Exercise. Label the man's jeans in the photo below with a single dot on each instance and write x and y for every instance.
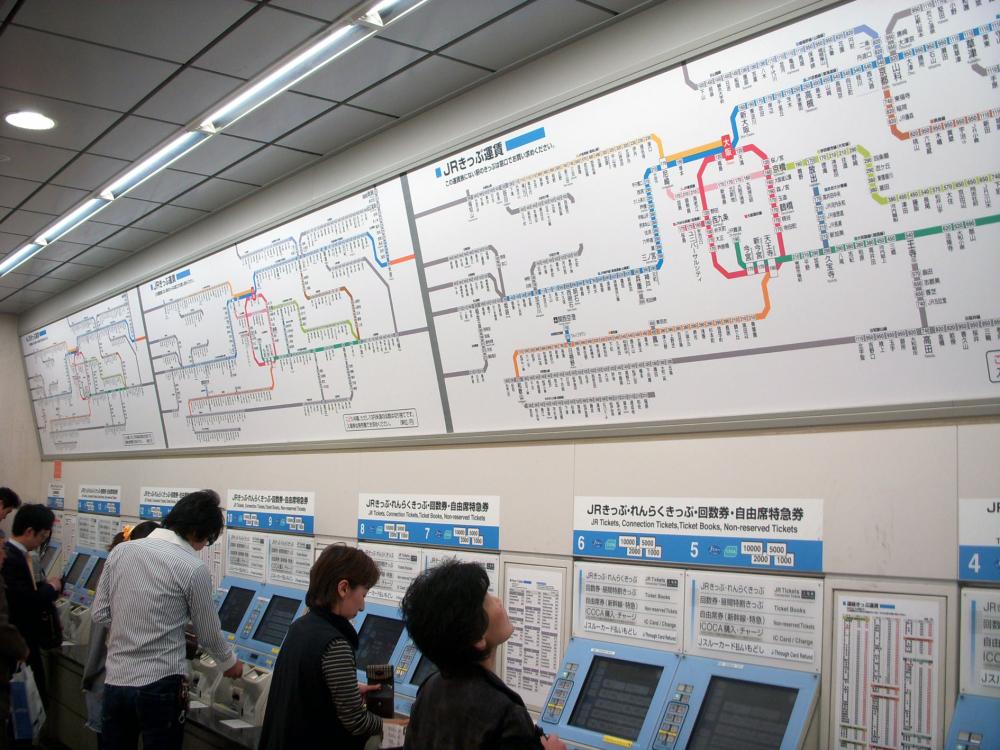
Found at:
(155, 711)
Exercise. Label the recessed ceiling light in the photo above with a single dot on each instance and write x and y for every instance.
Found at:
(30, 120)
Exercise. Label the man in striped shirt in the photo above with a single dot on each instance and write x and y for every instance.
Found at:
(150, 589)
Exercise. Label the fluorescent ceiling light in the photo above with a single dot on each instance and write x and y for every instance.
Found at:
(71, 220)
(30, 120)
(159, 159)
(21, 256)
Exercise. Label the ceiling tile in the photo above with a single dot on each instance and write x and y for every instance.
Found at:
(132, 239)
(11, 306)
(125, 210)
(133, 137)
(51, 284)
(275, 118)
(164, 186)
(526, 32)
(76, 71)
(13, 190)
(90, 172)
(188, 95)
(267, 166)
(53, 199)
(26, 222)
(90, 233)
(170, 218)
(434, 24)
(13, 280)
(419, 86)
(620, 6)
(102, 256)
(10, 242)
(30, 160)
(335, 129)
(367, 63)
(24, 299)
(76, 124)
(175, 30)
(258, 42)
(62, 251)
(215, 154)
(38, 266)
(213, 194)
(327, 10)
(74, 271)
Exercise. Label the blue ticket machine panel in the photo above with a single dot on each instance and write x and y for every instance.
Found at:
(78, 563)
(609, 696)
(86, 588)
(724, 705)
(381, 637)
(975, 725)
(50, 557)
(412, 670)
(264, 627)
(233, 599)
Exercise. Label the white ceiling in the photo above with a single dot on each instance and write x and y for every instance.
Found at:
(120, 76)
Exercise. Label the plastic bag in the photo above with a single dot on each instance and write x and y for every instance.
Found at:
(27, 714)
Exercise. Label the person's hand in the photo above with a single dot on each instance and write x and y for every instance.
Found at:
(55, 583)
(363, 688)
(235, 671)
(552, 742)
(399, 721)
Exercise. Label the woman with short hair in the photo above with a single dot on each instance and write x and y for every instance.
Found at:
(315, 696)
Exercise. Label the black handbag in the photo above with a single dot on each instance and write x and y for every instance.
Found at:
(50, 634)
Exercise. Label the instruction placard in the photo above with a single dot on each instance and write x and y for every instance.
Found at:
(979, 539)
(289, 559)
(55, 496)
(272, 511)
(103, 499)
(156, 502)
(768, 620)
(397, 565)
(246, 555)
(533, 597)
(490, 563)
(771, 534)
(470, 521)
(980, 642)
(629, 603)
(886, 663)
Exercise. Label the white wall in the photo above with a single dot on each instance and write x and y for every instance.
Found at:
(20, 462)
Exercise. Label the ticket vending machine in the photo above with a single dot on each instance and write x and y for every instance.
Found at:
(82, 599)
(258, 643)
(609, 696)
(233, 599)
(381, 637)
(412, 670)
(975, 725)
(50, 558)
(79, 561)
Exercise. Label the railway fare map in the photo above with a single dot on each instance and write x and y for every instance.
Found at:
(90, 381)
(313, 330)
(804, 221)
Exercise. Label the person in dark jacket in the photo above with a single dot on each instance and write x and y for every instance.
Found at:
(315, 698)
(13, 650)
(457, 624)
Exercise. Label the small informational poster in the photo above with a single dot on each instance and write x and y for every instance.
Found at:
(463, 521)
(979, 539)
(397, 565)
(55, 496)
(156, 502)
(87, 535)
(289, 559)
(65, 531)
(490, 563)
(246, 555)
(886, 665)
(107, 528)
(770, 534)
(102, 499)
(768, 620)
(214, 556)
(629, 604)
(980, 642)
(533, 597)
(286, 512)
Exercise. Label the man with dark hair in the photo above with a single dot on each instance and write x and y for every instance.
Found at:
(150, 589)
(9, 501)
(26, 598)
(13, 650)
(458, 624)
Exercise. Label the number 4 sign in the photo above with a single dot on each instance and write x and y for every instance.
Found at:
(979, 539)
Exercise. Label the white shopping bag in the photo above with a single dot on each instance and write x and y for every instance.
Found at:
(27, 714)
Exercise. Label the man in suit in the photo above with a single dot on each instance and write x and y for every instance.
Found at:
(13, 650)
(26, 599)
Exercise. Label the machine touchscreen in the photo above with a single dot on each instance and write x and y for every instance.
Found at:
(48, 556)
(78, 565)
(276, 620)
(234, 606)
(615, 697)
(95, 575)
(739, 715)
(377, 640)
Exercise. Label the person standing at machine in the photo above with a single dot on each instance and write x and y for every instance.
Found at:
(9, 501)
(150, 589)
(13, 650)
(27, 599)
(457, 624)
(93, 670)
(315, 696)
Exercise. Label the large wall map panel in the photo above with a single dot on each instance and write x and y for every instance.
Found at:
(804, 221)
(312, 331)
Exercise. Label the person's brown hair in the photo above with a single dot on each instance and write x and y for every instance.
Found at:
(337, 563)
